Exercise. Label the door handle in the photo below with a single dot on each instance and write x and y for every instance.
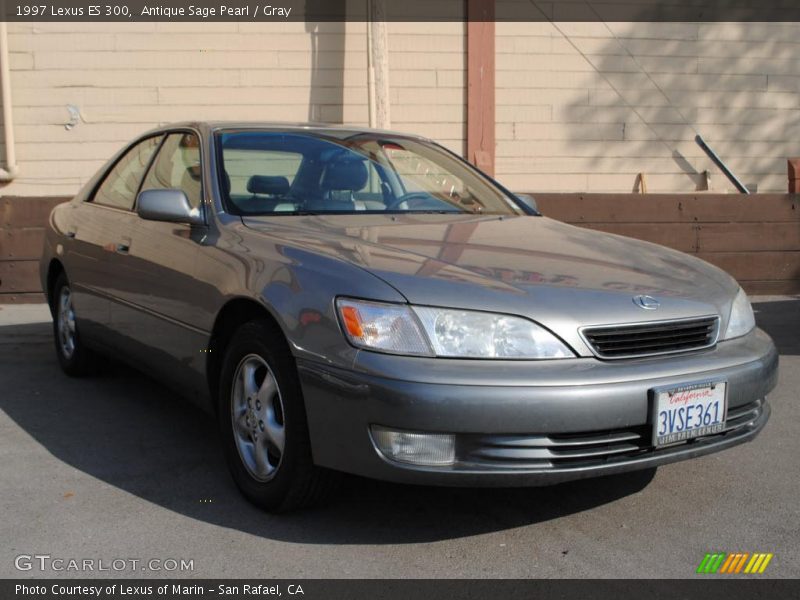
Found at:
(123, 246)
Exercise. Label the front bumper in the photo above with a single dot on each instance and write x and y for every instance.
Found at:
(526, 423)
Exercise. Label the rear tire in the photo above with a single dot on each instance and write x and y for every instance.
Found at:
(75, 359)
(263, 423)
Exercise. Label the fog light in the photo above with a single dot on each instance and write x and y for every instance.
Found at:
(430, 449)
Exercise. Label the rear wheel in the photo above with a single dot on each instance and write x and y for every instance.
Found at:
(263, 422)
(75, 359)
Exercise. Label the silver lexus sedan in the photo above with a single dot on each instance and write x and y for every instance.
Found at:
(351, 300)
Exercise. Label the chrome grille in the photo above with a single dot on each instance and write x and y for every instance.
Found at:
(577, 450)
(653, 338)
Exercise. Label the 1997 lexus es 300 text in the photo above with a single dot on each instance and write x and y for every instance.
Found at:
(364, 301)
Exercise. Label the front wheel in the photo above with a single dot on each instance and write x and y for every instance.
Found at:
(263, 422)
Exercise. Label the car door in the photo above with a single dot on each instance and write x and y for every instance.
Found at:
(168, 332)
(100, 236)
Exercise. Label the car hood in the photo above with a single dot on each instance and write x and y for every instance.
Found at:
(561, 276)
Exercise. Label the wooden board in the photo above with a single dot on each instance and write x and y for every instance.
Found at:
(670, 208)
(19, 277)
(748, 237)
(28, 298)
(481, 84)
(771, 288)
(757, 266)
(754, 237)
(17, 213)
(21, 244)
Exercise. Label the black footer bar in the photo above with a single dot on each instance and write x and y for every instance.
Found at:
(703, 587)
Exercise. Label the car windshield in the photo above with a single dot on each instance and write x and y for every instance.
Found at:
(281, 173)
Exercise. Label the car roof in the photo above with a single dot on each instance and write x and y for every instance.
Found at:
(326, 129)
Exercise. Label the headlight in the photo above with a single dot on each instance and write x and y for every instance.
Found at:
(452, 333)
(742, 319)
(471, 334)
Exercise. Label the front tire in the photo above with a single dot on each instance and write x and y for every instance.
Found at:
(263, 423)
(75, 359)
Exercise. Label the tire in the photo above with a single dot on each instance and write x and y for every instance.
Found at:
(260, 406)
(75, 359)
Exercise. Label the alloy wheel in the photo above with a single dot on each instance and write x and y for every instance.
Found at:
(258, 417)
(66, 323)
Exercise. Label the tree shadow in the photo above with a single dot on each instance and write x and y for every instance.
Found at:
(654, 86)
(129, 431)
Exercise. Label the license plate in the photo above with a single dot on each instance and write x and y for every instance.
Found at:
(689, 411)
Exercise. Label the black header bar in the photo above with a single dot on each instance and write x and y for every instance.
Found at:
(402, 10)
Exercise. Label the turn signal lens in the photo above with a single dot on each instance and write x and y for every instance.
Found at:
(352, 321)
(389, 328)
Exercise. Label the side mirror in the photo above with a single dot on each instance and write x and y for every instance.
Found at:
(171, 206)
(528, 202)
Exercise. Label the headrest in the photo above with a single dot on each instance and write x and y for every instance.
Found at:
(193, 172)
(345, 175)
(266, 184)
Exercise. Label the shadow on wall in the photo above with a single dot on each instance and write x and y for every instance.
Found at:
(326, 91)
(725, 81)
(165, 451)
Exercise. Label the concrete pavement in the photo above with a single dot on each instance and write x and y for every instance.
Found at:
(118, 467)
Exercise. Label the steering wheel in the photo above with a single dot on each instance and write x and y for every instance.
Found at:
(424, 196)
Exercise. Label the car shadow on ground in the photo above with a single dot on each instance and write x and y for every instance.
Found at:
(129, 431)
(781, 320)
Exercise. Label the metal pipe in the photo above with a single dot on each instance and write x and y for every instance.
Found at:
(11, 170)
(722, 166)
